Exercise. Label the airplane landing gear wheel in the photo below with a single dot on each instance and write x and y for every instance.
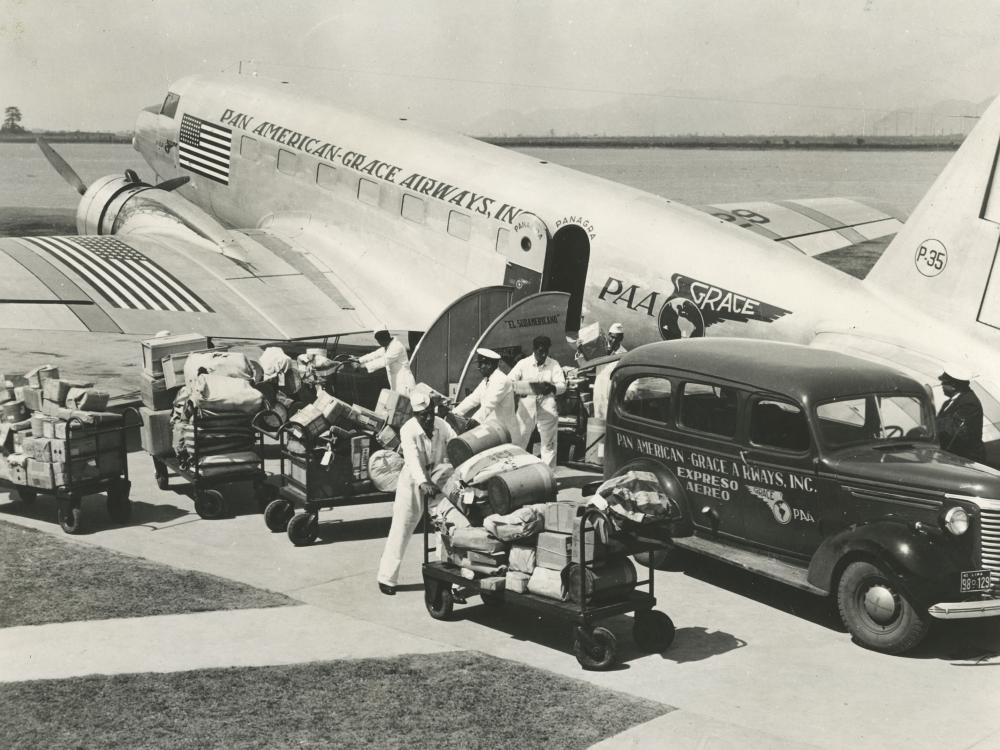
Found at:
(595, 650)
(70, 514)
(303, 529)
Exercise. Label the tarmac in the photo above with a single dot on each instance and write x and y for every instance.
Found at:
(742, 672)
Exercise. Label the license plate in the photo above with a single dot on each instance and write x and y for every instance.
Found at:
(975, 580)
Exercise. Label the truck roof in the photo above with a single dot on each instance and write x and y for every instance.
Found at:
(805, 373)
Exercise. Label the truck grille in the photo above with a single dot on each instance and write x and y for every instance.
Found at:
(990, 542)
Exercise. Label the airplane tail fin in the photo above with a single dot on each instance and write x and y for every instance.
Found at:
(945, 258)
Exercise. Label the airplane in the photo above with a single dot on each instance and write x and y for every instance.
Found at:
(280, 216)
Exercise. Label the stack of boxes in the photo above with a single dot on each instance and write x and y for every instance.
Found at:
(37, 448)
(161, 378)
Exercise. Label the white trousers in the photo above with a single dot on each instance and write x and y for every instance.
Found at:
(406, 510)
(542, 413)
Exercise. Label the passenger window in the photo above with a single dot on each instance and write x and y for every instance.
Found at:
(169, 108)
(249, 147)
(368, 191)
(326, 176)
(779, 424)
(709, 408)
(648, 398)
(414, 208)
(288, 162)
(459, 225)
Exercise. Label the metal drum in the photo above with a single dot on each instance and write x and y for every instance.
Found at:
(529, 484)
(476, 440)
(610, 582)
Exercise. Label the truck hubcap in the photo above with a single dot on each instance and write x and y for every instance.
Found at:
(880, 604)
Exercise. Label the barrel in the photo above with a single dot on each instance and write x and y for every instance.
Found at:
(15, 411)
(534, 483)
(595, 441)
(476, 440)
(611, 582)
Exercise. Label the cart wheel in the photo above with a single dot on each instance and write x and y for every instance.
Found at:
(653, 631)
(161, 474)
(438, 599)
(27, 495)
(69, 514)
(598, 650)
(303, 529)
(210, 504)
(119, 505)
(277, 514)
(265, 494)
(492, 598)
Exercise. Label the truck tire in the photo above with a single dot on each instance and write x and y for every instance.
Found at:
(877, 614)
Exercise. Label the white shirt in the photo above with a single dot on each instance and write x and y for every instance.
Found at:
(495, 398)
(548, 372)
(421, 454)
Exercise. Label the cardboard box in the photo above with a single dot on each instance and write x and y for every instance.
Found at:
(560, 516)
(39, 375)
(335, 411)
(156, 432)
(56, 389)
(393, 407)
(32, 397)
(366, 419)
(76, 470)
(388, 438)
(41, 449)
(553, 550)
(154, 392)
(39, 474)
(173, 365)
(516, 581)
(37, 427)
(78, 446)
(49, 427)
(493, 583)
(154, 350)
(87, 399)
(591, 343)
(360, 451)
(51, 408)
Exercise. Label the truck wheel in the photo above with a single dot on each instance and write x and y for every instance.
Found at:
(303, 529)
(119, 506)
(653, 631)
(596, 651)
(69, 514)
(210, 504)
(277, 514)
(438, 599)
(876, 613)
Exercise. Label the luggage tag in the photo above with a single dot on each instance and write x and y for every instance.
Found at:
(327, 457)
(281, 379)
(468, 496)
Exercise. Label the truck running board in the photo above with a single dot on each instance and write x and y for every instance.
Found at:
(756, 562)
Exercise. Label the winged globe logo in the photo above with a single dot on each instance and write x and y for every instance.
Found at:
(695, 305)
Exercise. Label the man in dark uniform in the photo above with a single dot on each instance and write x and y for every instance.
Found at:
(960, 421)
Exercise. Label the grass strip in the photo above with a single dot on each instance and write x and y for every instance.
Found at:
(48, 579)
(457, 700)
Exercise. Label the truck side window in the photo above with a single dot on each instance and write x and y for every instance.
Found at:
(709, 408)
(648, 398)
(779, 424)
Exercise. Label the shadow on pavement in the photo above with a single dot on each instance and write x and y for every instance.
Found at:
(698, 644)
(337, 530)
(95, 514)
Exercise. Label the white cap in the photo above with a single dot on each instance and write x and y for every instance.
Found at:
(955, 371)
(616, 328)
(487, 354)
(420, 399)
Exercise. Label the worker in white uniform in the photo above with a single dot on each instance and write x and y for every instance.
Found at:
(602, 373)
(423, 439)
(539, 409)
(493, 398)
(397, 363)
(616, 334)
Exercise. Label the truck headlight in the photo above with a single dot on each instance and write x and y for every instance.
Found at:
(956, 520)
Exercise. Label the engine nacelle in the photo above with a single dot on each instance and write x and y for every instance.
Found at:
(102, 203)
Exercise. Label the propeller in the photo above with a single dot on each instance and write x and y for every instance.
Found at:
(69, 174)
(62, 166)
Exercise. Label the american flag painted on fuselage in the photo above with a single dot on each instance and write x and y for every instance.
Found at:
(120, 274)
(204, 148)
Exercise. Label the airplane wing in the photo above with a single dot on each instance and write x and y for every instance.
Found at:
(813, 225)
(141, 283)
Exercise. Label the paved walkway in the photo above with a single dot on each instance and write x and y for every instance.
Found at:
(201, 640)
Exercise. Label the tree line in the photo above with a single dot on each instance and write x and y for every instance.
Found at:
(11, 121)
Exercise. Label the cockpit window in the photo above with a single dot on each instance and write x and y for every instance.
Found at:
(874, 417)
(169, 107)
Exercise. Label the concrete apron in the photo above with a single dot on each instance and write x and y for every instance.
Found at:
(742, 664)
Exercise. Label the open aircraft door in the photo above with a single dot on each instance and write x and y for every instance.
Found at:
(567, 259)
(510, 335)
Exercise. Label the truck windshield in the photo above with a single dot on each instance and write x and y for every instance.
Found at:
(874, 417)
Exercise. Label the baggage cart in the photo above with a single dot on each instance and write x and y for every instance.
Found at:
(207, 486)
(111, 476)
(594, 646)
(313, 474)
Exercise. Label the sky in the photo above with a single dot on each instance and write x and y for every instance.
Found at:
(503, 67)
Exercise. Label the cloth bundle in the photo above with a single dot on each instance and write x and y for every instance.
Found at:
(523, 522)
(637, 496)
